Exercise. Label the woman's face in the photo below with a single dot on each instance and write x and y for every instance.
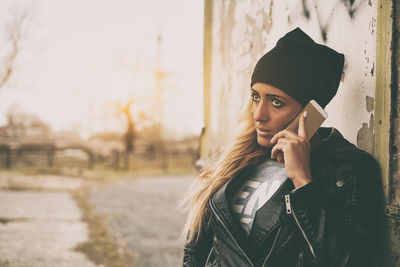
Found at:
(272, 110)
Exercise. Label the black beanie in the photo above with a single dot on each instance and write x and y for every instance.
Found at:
(301, 68)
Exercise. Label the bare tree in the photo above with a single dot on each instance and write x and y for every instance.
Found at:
(15, 31)
(129, 135)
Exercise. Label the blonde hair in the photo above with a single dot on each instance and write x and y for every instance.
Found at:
(241, 152)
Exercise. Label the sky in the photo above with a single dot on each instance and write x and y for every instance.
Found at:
(79, 58)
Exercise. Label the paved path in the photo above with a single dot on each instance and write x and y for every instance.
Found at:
(142, 217)
(40, 228)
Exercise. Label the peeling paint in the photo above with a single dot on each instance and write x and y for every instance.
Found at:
(350, 6)
(365, 135)
(369, 103)
(372, 70)
(306, 12)
(372, 25)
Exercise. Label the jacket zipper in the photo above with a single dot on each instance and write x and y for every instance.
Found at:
(288, 207)
(230, 234)
(289, 210)
(273, 245)
(300, 259)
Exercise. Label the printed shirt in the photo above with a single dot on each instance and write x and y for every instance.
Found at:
(255, 191)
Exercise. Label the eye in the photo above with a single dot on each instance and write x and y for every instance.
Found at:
(255, 97)
(277, 103)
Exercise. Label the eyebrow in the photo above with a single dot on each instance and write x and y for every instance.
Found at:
(270, 94)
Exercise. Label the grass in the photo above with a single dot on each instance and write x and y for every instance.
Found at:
(100, 248)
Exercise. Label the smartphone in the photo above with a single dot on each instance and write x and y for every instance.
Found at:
(316, 115)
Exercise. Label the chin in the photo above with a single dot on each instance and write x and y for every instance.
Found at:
(264, 142)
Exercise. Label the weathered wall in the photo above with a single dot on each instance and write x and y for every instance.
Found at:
(238, 33)
(242, 31)
(393, 181)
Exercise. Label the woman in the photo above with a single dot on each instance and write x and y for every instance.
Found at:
(276, 198)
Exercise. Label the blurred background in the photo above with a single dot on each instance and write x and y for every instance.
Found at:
(100, 84)
(101, 110)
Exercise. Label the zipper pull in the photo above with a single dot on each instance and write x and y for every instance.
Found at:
(287, 202)
(300, 259)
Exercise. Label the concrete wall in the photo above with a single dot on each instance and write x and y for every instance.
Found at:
(237, 33)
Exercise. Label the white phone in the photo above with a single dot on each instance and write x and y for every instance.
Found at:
(316, 115)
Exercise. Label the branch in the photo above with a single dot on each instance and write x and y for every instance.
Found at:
(15, 30)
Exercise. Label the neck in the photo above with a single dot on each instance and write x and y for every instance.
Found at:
(268, 155)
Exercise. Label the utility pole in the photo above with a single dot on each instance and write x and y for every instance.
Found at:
(129, 134)
(158, 107)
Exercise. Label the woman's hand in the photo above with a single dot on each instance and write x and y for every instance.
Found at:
(296, 153)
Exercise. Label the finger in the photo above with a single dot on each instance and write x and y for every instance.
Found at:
(283, 133)
(284, 140)
(302, 125)
(275, 150)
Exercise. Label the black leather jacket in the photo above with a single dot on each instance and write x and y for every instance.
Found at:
(334, 220)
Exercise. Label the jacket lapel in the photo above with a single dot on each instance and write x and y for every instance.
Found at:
(221, 203)
(270, 215)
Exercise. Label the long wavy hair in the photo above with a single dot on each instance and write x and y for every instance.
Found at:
(242, 151)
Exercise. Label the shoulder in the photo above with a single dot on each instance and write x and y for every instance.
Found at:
(362, 161)
(365, 169)
(336, 152)
(351, 170)
(357, 174)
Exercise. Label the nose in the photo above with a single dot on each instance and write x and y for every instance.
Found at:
(261, 112)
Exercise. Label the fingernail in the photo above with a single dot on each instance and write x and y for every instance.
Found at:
(305, 114)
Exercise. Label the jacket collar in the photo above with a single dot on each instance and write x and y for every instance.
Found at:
(332, 144)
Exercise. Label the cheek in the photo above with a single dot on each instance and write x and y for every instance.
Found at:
(280, 122)
(283, 122)
(280, 118)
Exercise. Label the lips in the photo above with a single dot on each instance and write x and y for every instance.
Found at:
(264, 132)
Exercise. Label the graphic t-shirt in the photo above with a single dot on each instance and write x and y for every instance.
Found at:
(255, 191)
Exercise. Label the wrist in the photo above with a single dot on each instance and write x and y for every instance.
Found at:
(301, 181)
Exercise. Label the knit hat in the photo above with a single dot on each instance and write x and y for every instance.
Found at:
(301, 68)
